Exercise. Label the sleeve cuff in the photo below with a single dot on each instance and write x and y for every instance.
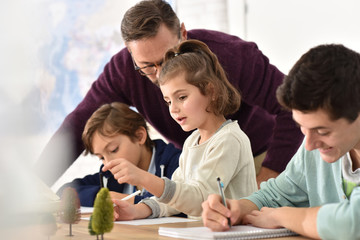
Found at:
(169, 191)
(153, 205)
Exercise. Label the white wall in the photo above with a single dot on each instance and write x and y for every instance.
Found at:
(285, 29)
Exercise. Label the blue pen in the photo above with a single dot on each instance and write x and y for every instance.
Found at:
(221, 190)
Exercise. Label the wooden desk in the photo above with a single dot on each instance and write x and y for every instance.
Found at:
(121, 231)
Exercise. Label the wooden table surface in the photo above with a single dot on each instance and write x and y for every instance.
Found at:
(122, 231)
(119, 231)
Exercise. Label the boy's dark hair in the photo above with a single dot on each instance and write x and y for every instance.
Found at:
(112, 119)
(202, 69)
(144, 19)
(326, 77)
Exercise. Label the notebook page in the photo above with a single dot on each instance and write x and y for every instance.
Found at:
(236, 232)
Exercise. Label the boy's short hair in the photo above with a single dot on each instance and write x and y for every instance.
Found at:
(326, 77)
(112, 119)
(144, 19)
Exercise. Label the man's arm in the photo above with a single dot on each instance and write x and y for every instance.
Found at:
(66, 145)
(60, 152)
(260, 90)
(265, 174)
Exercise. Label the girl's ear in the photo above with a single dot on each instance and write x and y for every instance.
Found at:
(141, 135)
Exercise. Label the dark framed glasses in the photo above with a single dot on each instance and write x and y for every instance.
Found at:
(150, 69)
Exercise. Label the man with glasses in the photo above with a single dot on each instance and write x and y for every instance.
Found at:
(149, 29)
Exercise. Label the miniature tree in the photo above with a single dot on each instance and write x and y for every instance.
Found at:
(49, 224)
(91, 230)
(70, 204)
(103, 215)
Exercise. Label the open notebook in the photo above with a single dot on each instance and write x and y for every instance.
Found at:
(236, 232)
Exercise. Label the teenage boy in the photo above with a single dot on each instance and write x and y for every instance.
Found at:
(318, 194)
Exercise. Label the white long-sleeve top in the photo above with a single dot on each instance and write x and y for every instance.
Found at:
(227, 154)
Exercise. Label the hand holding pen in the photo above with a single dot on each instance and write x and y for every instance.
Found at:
(221, 190)
(129, 196)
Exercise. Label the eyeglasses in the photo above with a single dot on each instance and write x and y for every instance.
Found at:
(150, 69)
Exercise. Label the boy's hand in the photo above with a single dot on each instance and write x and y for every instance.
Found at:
(124, 211)
(118, 196)
(124, 171)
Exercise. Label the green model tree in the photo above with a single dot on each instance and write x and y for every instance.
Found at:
(70, 204)
(91, 231)
(103, 215)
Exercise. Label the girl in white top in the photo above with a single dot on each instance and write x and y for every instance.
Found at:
(199, 96)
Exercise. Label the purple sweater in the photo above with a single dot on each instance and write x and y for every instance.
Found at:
(267, 125)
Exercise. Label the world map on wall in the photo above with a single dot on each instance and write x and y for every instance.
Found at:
(83, 35)
(52, 52)
(66, 44)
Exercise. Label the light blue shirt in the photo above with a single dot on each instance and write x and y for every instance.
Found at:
(308, 181)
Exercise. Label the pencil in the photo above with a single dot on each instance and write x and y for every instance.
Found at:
(132, 195)
(129, 196)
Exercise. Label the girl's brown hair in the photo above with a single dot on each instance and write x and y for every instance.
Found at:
(203, 70)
